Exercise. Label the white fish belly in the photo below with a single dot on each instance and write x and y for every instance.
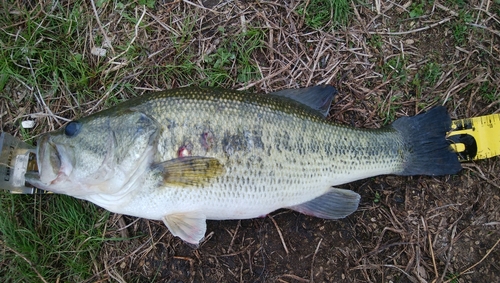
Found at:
(244, 193)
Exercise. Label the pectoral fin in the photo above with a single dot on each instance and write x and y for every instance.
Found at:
(190, 226)
(190, 171)
(335, 204)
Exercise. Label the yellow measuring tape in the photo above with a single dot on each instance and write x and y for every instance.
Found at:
(476, 138)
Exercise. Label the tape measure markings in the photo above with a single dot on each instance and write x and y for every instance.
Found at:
(476, 138)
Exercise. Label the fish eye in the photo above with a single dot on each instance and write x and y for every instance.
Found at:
(72, 128)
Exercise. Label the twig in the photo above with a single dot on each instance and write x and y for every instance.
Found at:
(448, 257)
(413, 30)
(136, 32)
(108, 41)
(25, 259)
(378, 6)
(314, 257)
(236, 252)
(279, 233)
(166, 27)
(486, 28)
(123, 227)
(430, 247)
(39, 98)
(113, 274)
(475, 264)
(295, 277)
(201, 7)
(234, 236)
(373, 266)
(491, 223)
(480, 174)
(275, 74)
(446, 9)
(191, 265)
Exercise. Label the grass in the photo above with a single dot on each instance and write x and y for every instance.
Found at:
(461, 27)
(375, 41)
(233, 59)
(453, 278)
(47, 51)
(56, 237)
(489, 92)
(395, 69)
(325, 14)
(426, 77)
(232, 62)
(417, 8)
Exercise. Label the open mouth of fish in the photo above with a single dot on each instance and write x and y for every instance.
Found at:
(53, 161)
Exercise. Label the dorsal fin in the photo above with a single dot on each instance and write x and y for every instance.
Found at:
(318, 97)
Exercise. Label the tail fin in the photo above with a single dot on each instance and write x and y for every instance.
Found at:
(427, 150)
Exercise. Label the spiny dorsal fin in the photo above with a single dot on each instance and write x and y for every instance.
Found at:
(318, 97)
(190, 171)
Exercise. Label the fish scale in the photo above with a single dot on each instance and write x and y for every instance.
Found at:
(187, 155)
(309, 165)
(332, 138)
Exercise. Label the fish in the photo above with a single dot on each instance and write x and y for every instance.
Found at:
(188, 155)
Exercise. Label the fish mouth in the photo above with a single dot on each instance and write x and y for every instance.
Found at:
(53, 161)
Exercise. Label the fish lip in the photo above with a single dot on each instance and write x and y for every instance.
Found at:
(54, 165)
(66, 165)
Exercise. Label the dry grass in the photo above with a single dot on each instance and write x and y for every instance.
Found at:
(385, 65)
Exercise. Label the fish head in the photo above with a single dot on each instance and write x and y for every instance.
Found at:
(97, 154)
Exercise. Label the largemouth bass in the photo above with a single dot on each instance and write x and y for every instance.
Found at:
(187, 155)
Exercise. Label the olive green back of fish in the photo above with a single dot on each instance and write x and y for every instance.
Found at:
(266, 131)
(221, 123)
(266, 135)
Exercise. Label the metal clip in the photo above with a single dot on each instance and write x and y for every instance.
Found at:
(16, 158)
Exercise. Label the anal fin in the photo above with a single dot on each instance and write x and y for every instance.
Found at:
(189, 226)
(335, 204)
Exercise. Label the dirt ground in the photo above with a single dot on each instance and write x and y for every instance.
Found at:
(407, 229)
